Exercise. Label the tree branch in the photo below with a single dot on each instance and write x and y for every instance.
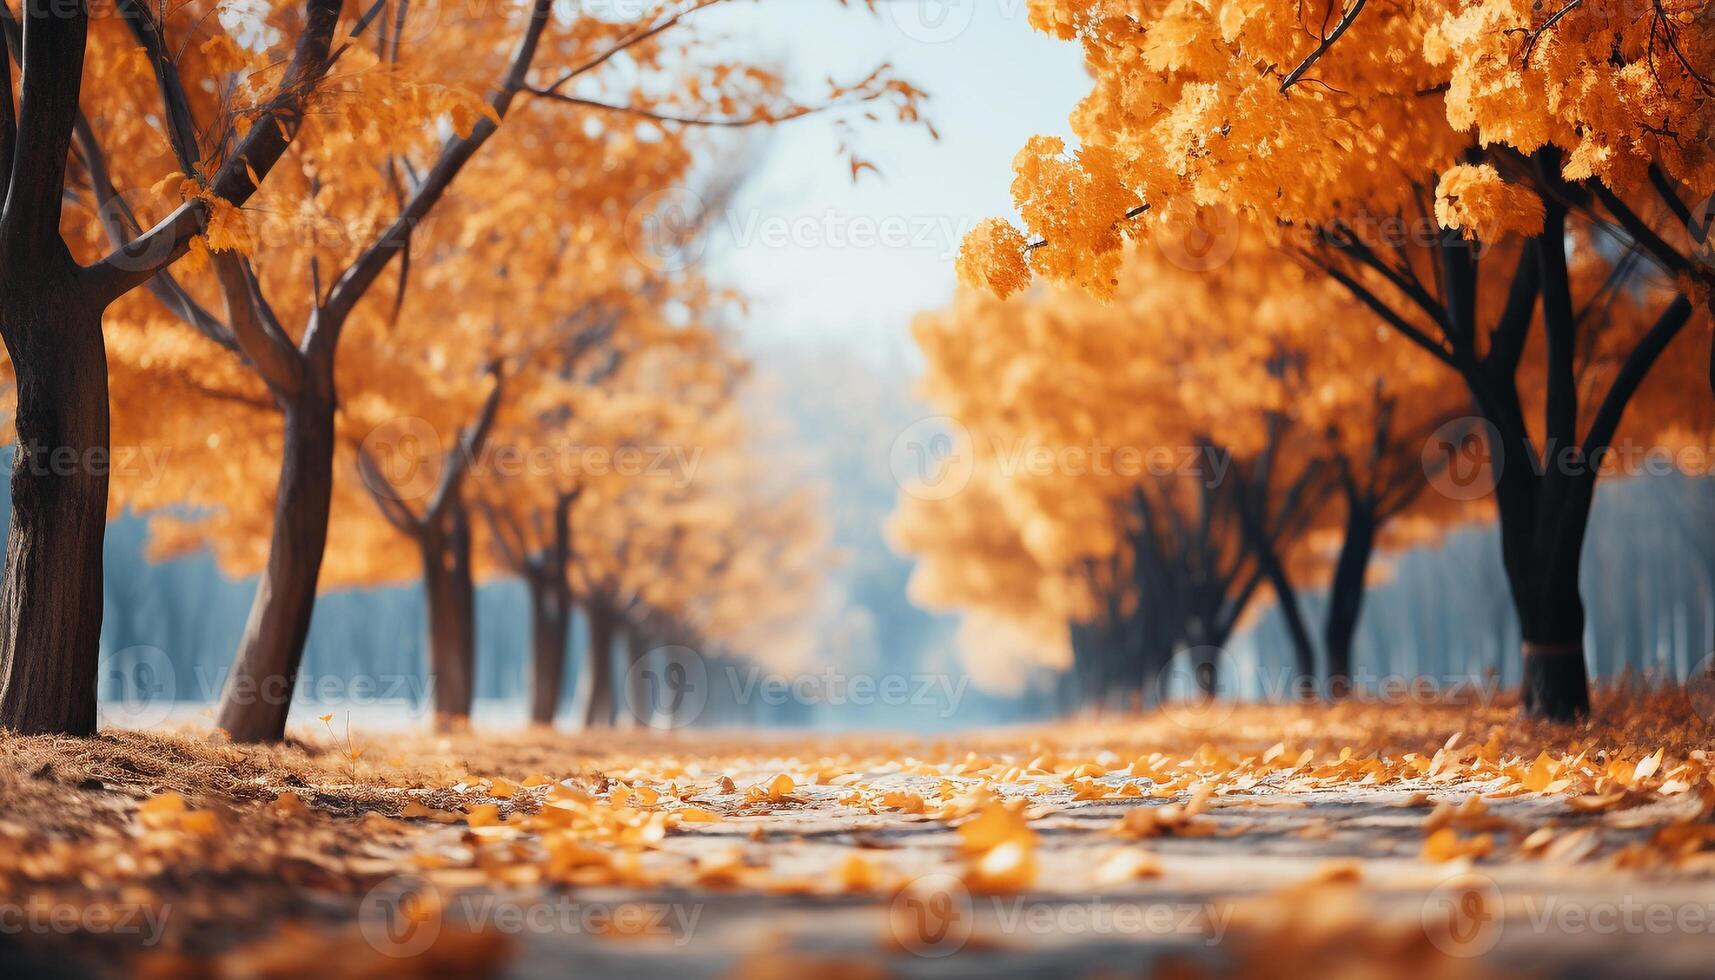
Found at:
(1327, 42)
(258, 331)
(261, 148)
(1632, 372)
(362, 273)
(48, 89)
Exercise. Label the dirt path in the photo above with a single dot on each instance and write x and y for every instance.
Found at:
(1347, 842)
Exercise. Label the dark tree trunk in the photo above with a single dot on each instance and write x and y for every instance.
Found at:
(595, 681)
(450, 599)
(50, 599)
(258, 692)
(1346, 595)
(639, 694)
(550, 621)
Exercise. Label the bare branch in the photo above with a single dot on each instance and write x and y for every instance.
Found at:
(1321, 49)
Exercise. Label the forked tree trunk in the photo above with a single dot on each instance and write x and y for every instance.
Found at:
(50, 599)
(1346, 596)
(258, 692)
(450, 599)
(595, 681)
(550, 621)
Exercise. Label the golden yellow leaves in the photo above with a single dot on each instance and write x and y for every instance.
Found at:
(1446, 845)
(1079, 205)
(168, 811)
(1000, 847)
(992, 257)
(1477, 202)
(1170, 819)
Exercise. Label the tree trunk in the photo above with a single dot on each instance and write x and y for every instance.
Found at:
(258, 692)
(595, 681)
(1542, 521)
(450, 599)
(50, 599)
(639, 693)
(550, 619)
(1346, 595)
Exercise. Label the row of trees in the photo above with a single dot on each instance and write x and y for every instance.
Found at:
(1520, 193)
(406, 241)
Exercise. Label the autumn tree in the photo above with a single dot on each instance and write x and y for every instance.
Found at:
(1394, 145)
(377, 188)
(57, 289)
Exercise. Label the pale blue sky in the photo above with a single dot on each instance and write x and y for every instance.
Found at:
(825, 260)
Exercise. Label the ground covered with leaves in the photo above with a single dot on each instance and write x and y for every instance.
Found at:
(1357, 840)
